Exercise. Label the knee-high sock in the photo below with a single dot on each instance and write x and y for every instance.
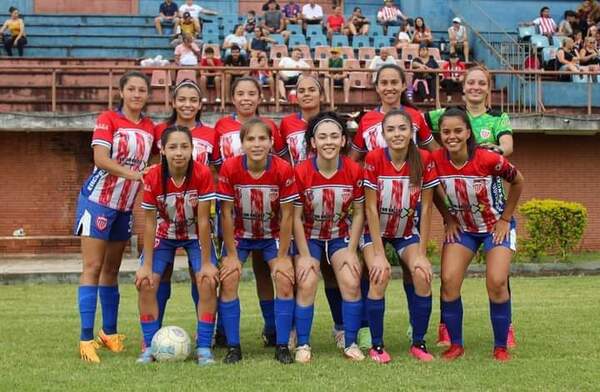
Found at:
(303, 318)
(267, 307)
(452, 315)
(364, 291)
(422, 312)
(149, 328)
(87, 298)
(500, 317)
(162, 296)
(230, 312)
(109, 301)
(352, 314)
(204, 330)
(376, 312)
(284, 319)
(409, 290)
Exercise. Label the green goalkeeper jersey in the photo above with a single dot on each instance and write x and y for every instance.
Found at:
(487, 127)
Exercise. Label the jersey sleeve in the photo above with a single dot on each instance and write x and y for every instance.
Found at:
(299, 202)
(103, 131)
(358, 191)
(430, 175)
(370, 172)
(279, 145)
(224, 187)
(502, 127)
(205, 184)
(498, 165)
(432, 118)
(358, 142)
(424, 136)
(288, 190)
(151, 183)
(215, 157)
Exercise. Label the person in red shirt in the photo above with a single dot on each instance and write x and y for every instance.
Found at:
(210, 78)
(177, 199)
(453, 76)
(336, 24)
(257, 190)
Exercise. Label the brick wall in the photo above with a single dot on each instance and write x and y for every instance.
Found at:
(42, 173)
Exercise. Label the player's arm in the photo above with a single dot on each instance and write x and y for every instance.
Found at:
(103, 161)
(358, 223)
(372, 213)
(425, 227)
(285, 229)
(299, 235)
(506, 144)
(228, 228)
(204, 231)
(431, 146)
(144, 273)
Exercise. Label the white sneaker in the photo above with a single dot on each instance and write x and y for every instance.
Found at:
(303, 354)
(354, 353)
(293, 340)
(218, 100)
(204, 100)
(272, 100)
(338, 335)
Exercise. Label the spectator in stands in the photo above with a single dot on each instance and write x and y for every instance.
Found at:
(273, 21)
(210, 78)
(261, 41)
(167, 14)
(290, 77)
(545, 23)
(336, 24)
(586, 13)
(292, 12)
(589, 56)
(339, 78)
(186, 25)
(565, 27)
(424, 83)
(452, 78)
(458, 37)
(578, 40)
(187, 52)
(13, 32)
(264, 75)
(592, 31)
(312, 13)
(358, 24)
(404, 36)
(236, 38)
(567, 58)
(250, 23)
(195, 10)
(422, 34)
(378, 61)
(265, 6)
(235, 59)
(389, 15)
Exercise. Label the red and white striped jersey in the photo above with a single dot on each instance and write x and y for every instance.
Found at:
(397, 200)
(327, 202)
(546, 25)
(229, 144)
(177, 208)
(475, 192)
(369, 135)
(388, 14)
(130, 145)
(203, 139)
(256, 201)
(293, 130)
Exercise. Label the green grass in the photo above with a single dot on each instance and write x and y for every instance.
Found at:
(556, 320)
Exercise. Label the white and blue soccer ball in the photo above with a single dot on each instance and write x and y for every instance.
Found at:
(171, 344)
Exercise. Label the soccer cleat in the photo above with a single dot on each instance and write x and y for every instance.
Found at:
(283, 354)
(501, 354)
(234, 355)
(293, 340)
(87, 351)
(453, 352)
(338, 335)
(303, 354)
(112, 342)
(146, 356)
(511, 341)
(219, 340)
(364, 338)
(204, 356)
(419, 351)
(379, 355)
(353, 353)
(443, 339)
(269, 338)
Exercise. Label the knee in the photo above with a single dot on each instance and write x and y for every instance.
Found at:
(92, 268)
(450, 287)
(229, 285)
(497, 286)
(308, 285)
(350, 288)
(284, 286)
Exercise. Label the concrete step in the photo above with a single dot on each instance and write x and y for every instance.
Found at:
(99, 40)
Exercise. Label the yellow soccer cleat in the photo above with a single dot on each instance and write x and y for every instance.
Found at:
(112, 342)
(87, 351)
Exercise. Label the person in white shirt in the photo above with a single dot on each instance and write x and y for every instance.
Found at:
(312, 13)
(389, 15)
(290, 77)
(457, 34)
(378, 61)
(187, 53)
(404, 36)
(237, 38)
(195, 10)
(545, 23)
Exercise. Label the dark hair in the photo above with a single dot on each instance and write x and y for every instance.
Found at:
(422, 20)
(462, 114)
(246, 79)
(404, 101)
(209, 49)
(251, 123)
(544, 9)
(356, 9)
(164, 165)
(413, 156)
(127, 77)
(252, 12)
(235, 47)
(570, 13)
(12, 9)
(186, 83)
(236, 27)
(314, 122)
(314, 79)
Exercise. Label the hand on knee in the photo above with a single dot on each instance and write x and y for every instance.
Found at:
(422, 283)
(229, 287)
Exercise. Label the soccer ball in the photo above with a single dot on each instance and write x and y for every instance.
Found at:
(171, 344)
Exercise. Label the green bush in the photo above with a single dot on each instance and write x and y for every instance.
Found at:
(553, 227)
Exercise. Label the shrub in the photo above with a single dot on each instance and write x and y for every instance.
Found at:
(553, 226)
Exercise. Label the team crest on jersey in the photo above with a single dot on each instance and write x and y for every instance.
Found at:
(273, 195)
(478, 186)
(309, 195)
(485, 133)
(289, 181)
(101, 223)
(156, 242)
(346, 195)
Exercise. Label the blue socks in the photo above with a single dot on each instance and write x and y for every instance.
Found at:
(352, 313)
(149, 329)
(204, 333)
(87, 298)
(375, 309)
(284, 319)
(420, 319)
(500, 316)
(109, 300)
(409, 289)
(267, 308)
(162, 296)
(334, 298)
(452, 316)
(303, 318)
(364, 291)
(230, 313)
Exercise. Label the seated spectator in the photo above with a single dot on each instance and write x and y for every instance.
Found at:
(235, 59)
(567, 58)
(167, 14)
(424, 83)
(236, 38)
(378, 61)
(265, 6)
(404, 35)
(452, 78)
(459, 40)
(565, 27)
(273, 21)
(578, 40)
(422, 34)
(586, 13)
(195, 10)
(261, 41)
(545, 23)
(186, 25)
(339, 78)
(210, 78)
(264, 75)
(312, 13)
(589, 56)
(357, 23)
(389, 15)
(13, 32)
(336, 23)
(290, 77)
(592, 31)
(250, 23)
(187, 52)
(292, 13)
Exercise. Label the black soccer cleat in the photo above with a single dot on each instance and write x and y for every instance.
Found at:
(220, 340)
(283, 354)
(234, 355)
(269, 339)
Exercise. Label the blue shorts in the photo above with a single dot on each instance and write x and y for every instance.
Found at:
(473, 241)
(244, 246)
(399, 244)
(318, 248)
(164, 254)
(97, 221)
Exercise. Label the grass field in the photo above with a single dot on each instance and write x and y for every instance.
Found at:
(557, 322)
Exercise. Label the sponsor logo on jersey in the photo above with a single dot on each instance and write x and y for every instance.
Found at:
(479, 186)
(485, 133)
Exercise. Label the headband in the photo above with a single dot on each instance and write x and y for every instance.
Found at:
(187, 83)
(331, 120)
